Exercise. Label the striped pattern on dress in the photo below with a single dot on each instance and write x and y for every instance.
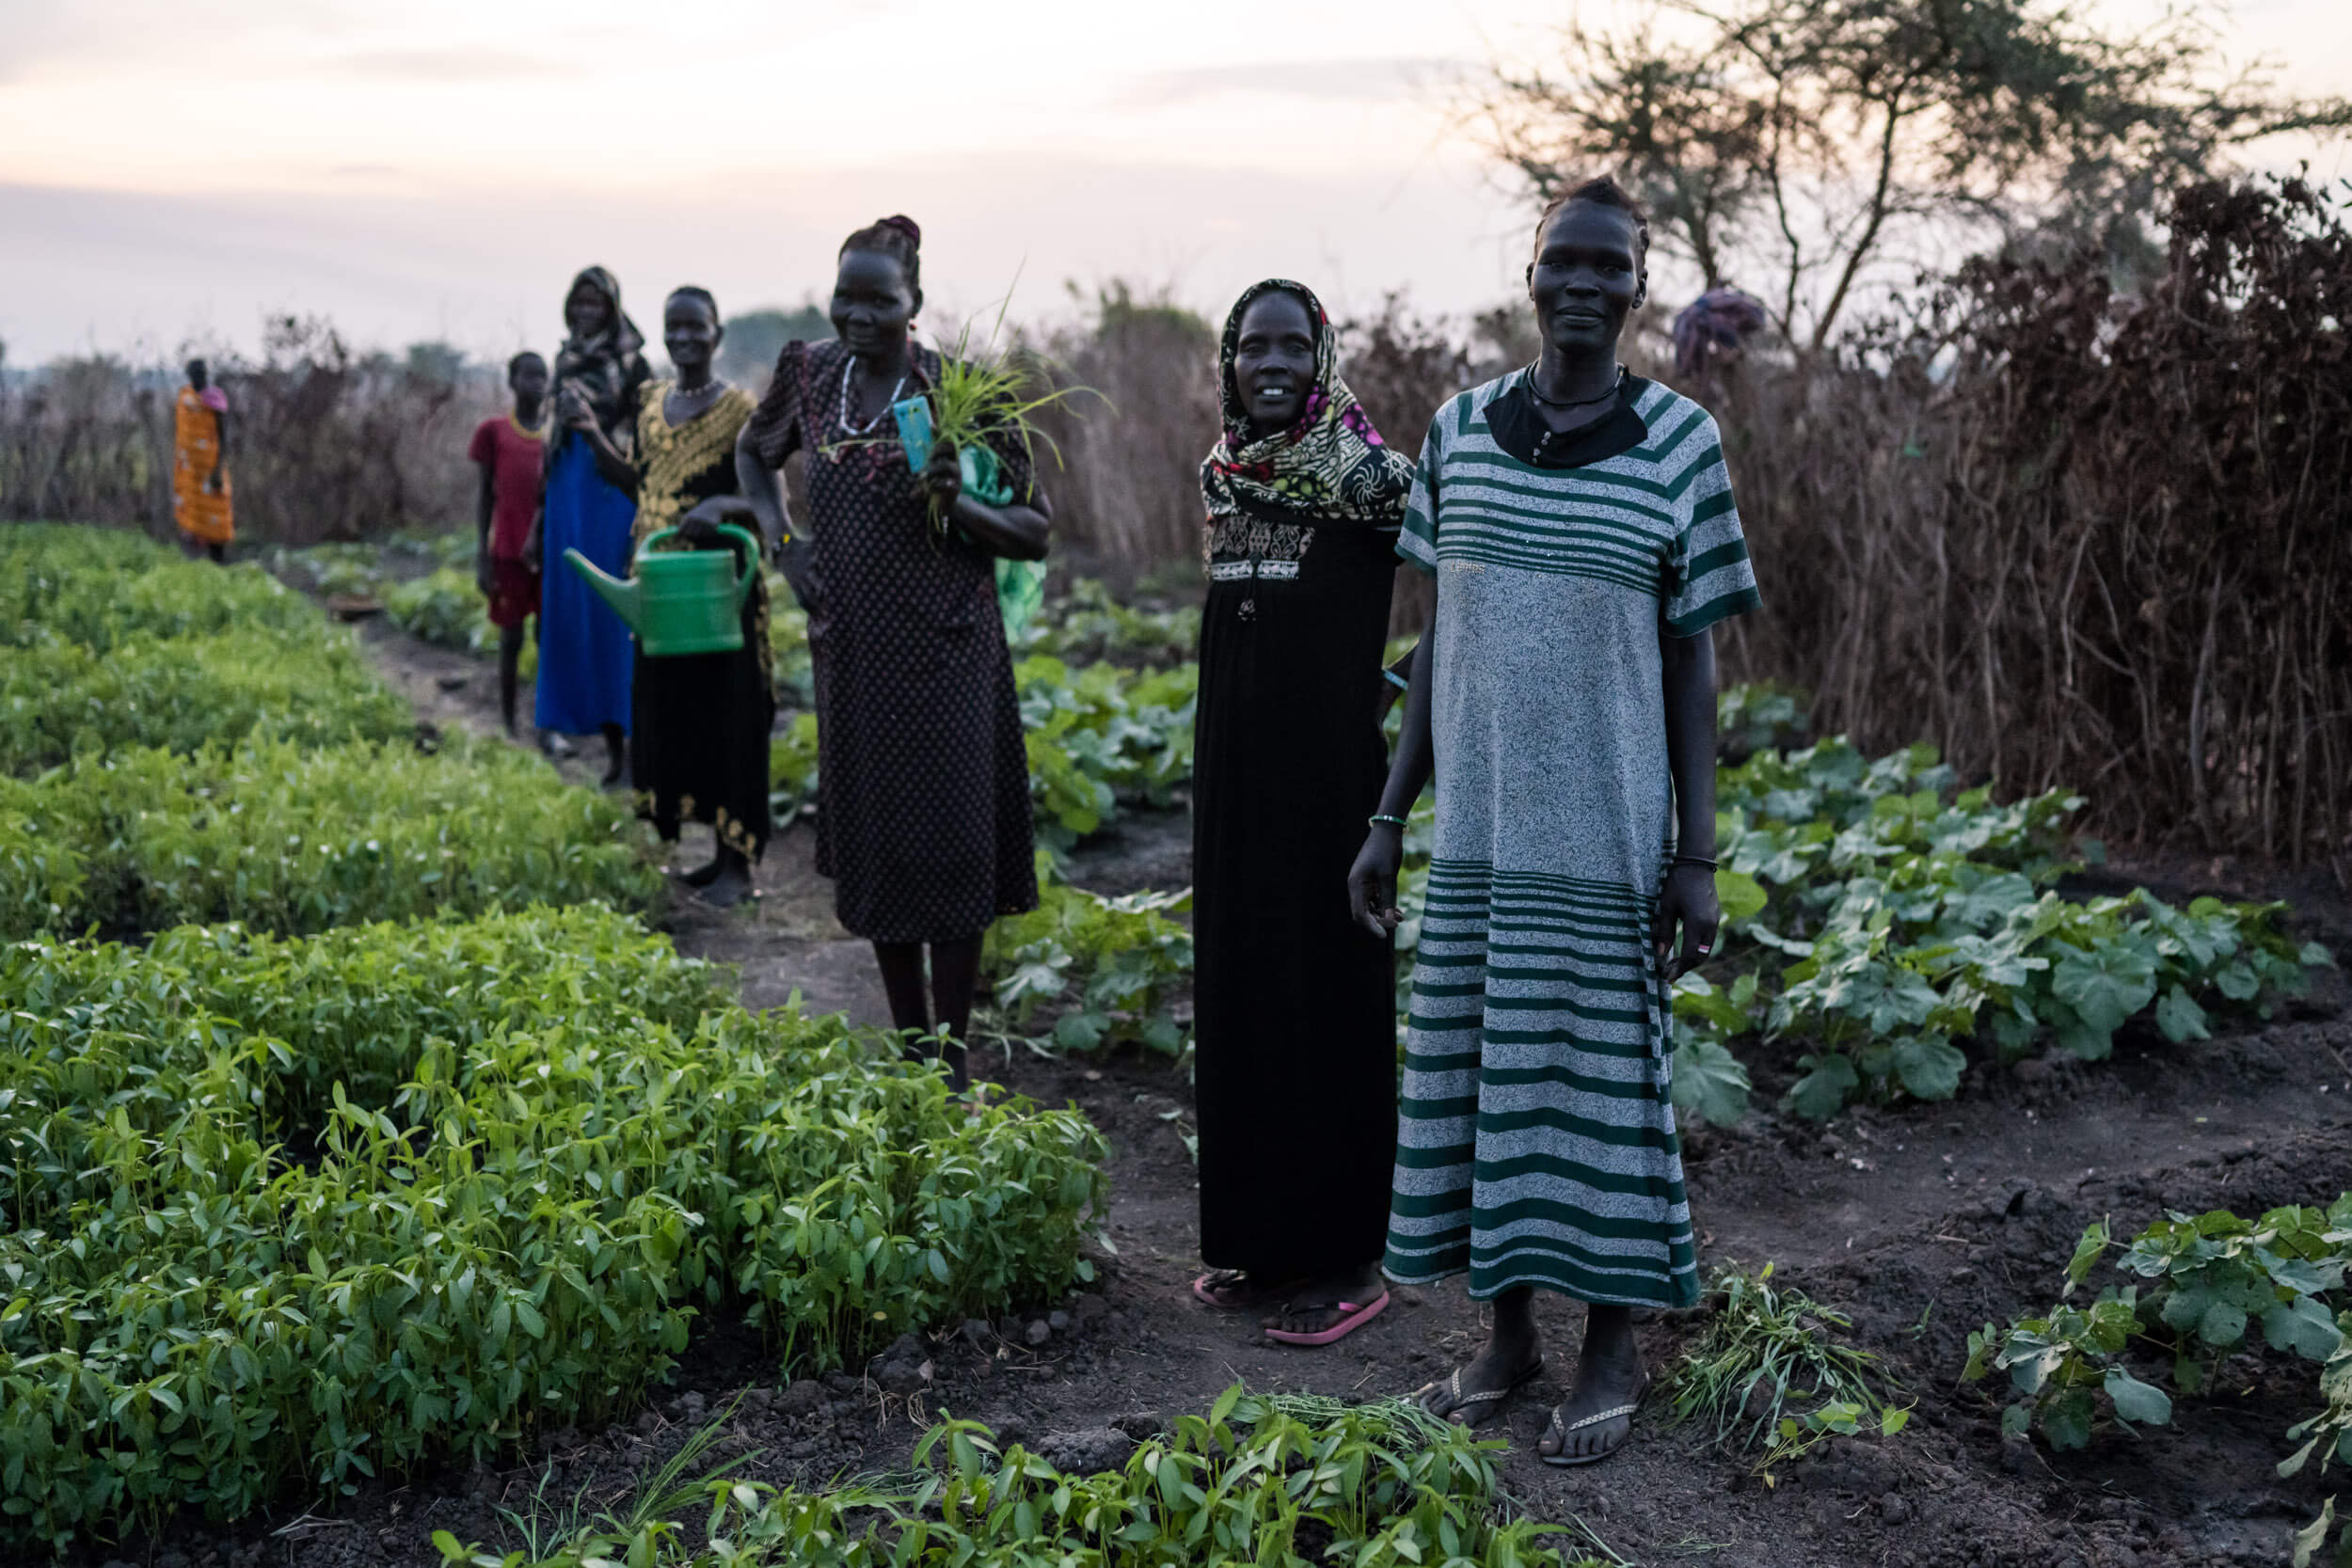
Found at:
(1536, 1141)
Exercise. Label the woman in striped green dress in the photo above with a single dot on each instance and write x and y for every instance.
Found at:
(1579, 525)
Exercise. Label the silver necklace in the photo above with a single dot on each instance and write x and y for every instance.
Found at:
(848, 427)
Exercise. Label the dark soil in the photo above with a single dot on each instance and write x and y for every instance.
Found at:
(1922, 1222)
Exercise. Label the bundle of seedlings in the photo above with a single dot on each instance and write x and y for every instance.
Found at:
(1770, 1372)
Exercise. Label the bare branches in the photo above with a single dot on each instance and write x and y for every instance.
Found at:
(1807, 145)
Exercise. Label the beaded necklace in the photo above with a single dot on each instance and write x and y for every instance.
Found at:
(849, 428)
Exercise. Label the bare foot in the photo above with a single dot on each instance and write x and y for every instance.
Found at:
(1594, 1421)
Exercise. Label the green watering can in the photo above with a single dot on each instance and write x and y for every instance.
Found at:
(680, 601)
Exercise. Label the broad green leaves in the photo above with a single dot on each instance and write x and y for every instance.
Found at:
(1742, 897)
(1118, 961)
(2211, 1276)
(1907, 919)
(2105, 985)
(1710, 1084)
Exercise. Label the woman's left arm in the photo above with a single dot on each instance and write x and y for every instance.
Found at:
(1688, 899)
(1015, 531)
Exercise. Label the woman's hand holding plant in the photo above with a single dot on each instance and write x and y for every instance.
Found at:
(942, 478)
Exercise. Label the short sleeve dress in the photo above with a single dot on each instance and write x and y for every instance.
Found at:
(1536, 1142)
(923, 816)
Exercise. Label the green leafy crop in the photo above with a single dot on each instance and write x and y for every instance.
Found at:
(59, 700)
(282, 1213)
(1114, 963)
(1881, 919)
(294, 839)
(2210, 1279)
(1271, 1482)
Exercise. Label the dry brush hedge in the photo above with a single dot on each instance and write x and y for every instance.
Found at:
(281, 1214)
(2078, 537)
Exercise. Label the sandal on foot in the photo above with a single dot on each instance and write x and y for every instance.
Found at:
(1232, 1289)
(1352, 1317)
(1456, 1401)
(1564, 1459)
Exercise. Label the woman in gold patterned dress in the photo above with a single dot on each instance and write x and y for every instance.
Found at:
(700, 722)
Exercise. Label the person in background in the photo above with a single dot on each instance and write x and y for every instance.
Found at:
(923, 814)
(1579, 523)
(585, 651)
(699, 741)
(200, 465)
(1295, 1005)
(510, 449)
(1713, 329)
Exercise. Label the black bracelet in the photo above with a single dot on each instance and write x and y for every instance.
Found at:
(1694, 859)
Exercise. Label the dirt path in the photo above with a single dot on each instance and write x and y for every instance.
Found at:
(1921, 1221)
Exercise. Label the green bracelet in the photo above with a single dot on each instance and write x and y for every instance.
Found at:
(1396, 680)
(1396, 822)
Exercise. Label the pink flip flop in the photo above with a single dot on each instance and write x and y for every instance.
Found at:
(1355, 1317)
(1235, 1301)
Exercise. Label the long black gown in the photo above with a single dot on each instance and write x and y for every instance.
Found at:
(1295, 1004)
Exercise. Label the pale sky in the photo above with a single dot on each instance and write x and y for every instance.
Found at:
(171, 172)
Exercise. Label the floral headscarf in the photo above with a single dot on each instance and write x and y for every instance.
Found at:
(1330, 467)
(607, 367)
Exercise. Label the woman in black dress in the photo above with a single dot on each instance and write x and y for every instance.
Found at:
(1295, 1004)
(923, 806)
(699, 721)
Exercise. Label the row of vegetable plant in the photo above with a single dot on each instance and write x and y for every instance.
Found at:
(1112, 966)
(292, 838)
(183, 742)
(1274, 1480)
(2211, 1280)
(283, 1214)
(60, 700)
(1880, 916)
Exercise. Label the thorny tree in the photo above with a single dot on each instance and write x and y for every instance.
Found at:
(1801, 146)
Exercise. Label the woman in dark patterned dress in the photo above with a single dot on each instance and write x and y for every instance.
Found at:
(1295, 1005)
(923, 811)
(700, 722)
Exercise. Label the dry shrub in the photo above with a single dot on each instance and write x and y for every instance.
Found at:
(329, 445)
(77, 440)
(324, 443)
(2080, 539)
(1127, 498)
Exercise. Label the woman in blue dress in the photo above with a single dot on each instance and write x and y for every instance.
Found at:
(584, 648)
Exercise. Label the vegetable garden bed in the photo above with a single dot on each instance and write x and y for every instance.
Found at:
(288, 1214)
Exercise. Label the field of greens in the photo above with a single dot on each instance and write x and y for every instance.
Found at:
(543, 1146)
(385, 1134)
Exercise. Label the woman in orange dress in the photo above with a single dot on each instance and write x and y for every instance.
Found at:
(200, 465)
